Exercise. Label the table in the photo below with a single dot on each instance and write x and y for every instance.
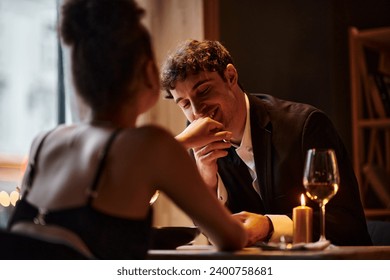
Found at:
(208, 252)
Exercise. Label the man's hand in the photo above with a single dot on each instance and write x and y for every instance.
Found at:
(256, 225)
(209, 142)
(206, 161)
(202, 132)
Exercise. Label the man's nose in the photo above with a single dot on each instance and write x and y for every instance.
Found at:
(199, 109)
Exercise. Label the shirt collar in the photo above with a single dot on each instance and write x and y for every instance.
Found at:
(246, 141)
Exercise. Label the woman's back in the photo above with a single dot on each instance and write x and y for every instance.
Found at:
(70, 174)
(69, 160)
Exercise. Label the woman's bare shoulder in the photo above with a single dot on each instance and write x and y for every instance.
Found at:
(147, 135)
(41, 136)
(154, 130)
(148, 144)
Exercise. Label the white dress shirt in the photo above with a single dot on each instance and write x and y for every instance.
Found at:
(282, 224)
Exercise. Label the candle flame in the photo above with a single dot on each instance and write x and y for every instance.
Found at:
(303, 202)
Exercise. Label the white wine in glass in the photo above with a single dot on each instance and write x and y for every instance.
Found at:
(321, 180)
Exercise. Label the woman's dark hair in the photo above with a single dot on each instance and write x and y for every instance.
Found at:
(192, 57)
(109, 47)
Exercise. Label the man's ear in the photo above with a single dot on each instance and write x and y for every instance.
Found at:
(231, 74)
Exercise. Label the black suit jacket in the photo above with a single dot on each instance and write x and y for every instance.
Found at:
(282, 132)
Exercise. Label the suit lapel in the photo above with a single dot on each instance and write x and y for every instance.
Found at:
(261, 131)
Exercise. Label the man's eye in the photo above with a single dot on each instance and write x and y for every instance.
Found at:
(184, 104)
(203, 92)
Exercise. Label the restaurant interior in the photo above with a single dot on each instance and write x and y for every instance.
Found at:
(295, 50)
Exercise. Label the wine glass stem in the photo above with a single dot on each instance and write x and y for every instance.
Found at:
(322, 224)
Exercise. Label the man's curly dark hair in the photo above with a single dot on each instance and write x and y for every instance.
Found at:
(192, 57)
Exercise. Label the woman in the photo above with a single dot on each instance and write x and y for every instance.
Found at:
(90, 184)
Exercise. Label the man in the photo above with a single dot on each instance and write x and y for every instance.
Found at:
(250, 150)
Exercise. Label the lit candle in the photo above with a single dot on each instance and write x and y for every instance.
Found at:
(303, 222)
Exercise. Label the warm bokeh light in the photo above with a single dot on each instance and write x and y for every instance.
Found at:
(7, 199)
(4, 199)
(14, 197)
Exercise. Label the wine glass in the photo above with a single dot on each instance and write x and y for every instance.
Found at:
(321, 180)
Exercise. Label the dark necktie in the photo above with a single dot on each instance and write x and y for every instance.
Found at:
(238, 183)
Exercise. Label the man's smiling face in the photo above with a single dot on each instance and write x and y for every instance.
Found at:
(207, 95)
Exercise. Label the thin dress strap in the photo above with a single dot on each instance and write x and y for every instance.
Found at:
(30, 171)
(102, 156)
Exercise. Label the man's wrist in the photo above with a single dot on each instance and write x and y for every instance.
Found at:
(283, 226)
(270, 229)
(182, 140)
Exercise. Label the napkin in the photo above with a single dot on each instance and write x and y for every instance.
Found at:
(319, 245)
